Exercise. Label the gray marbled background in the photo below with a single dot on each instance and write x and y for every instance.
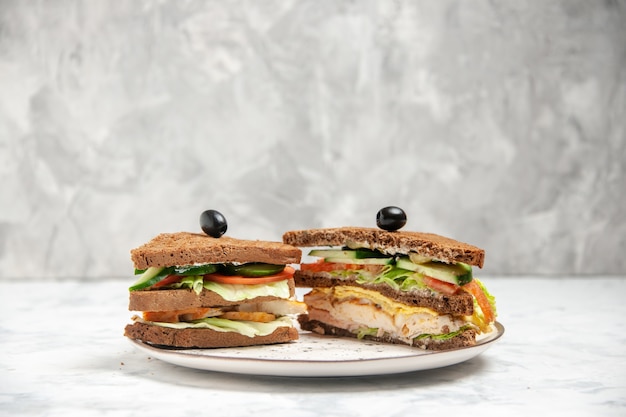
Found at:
(498, 123)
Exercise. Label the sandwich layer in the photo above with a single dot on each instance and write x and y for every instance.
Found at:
(464, 339)
(183, 248)
(366, 312)
(398, 242)
(204, 338)
(196, 291)
(183, 298)
(362, 313)
(461, 303)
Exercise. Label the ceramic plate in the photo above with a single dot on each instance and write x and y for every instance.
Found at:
(319, 356)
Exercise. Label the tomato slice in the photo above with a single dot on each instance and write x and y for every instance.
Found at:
(174, 316)
(239, 280)
(441, 286)
(319, 266)
(170, 279)
(322, 266)
(473, 288)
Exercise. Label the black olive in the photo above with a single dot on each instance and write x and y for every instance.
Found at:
(213, 223)
(391, 218)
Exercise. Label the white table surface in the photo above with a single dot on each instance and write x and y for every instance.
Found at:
(564, 353)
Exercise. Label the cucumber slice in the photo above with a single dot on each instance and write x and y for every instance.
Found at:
(365, 261)
(195, 269)
(347, 253)
(329, 253)
(153, 275)
(353, 256)
(459, 274)
(405, 263)
(419, 259)
(150, 277)
(254, 269)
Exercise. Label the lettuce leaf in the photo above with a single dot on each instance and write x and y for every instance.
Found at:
(232, 292)
(195, 282)
(372, 331)
(246, 328)
(396, 278)
(366, 331)
(443, 336)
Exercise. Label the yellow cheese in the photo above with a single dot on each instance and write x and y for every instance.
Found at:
(389, 306)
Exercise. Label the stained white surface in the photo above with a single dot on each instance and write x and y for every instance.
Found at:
(62, 353)
(499, 124)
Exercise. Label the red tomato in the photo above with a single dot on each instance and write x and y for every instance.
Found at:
(441, 286)
(321, 266)
(473, 288)
(237, 279)
(170, 279)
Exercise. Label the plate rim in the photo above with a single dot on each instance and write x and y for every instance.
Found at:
(190, 355)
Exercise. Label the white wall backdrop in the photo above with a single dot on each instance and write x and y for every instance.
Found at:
(502, 124)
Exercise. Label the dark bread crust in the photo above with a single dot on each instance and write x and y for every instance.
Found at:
(203, 338)
(183, 298)
(465, 339)
(171, 249)
(461, 303)
(426, 244)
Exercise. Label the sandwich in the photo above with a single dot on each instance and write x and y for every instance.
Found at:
(198, 291)
(398, 287)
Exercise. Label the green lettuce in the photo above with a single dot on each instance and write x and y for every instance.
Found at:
(195, 282)
(238, 292)
(235, 292)
(443, 336)
(396, 278)
(366, 331)
(372, 331)
(246, 328)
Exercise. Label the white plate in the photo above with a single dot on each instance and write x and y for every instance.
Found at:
(320, 356)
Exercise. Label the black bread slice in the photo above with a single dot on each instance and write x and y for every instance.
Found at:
(203, 338)
(171, 249)
(426, 244)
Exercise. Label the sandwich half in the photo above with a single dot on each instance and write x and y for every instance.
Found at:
(197, 291)
(396, 287)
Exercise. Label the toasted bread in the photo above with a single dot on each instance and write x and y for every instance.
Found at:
(425, 244)
(171, 249)
(182, 298)
(203, 338)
